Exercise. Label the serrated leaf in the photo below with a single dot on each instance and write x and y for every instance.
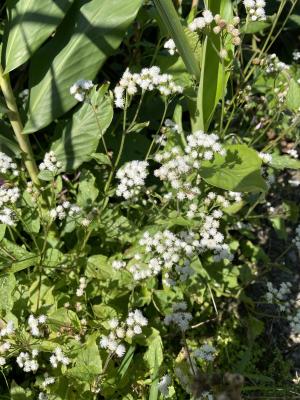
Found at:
(30, 23)
(7, 285)
(88, 362)
(89, 34)
(87, 191)
(238, 171)
(282, 162)
(82, 133)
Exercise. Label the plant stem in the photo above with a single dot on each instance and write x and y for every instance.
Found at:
(16, 123)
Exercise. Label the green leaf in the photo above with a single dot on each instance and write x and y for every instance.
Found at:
(126, 362)
(154, 358)
(89, 34)
(139, 127)
(63, 317)
(7, 285)
(238, 171)
(255, 26)
(88, 362)
(214, 76)
(99, 267)
(293, 96)
(14, 258)
(87, 191)
(173, 25)
(29, 24)
(82, 133)
(101, 159)
(282, 162)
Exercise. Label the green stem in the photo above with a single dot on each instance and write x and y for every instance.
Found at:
(15, 120)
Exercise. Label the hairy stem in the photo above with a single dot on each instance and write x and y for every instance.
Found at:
(15, 120)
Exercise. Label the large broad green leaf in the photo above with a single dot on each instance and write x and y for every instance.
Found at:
(88, 362)
(293, 96)
(82, 133)
(214, 75)
(239, 170)
(89, 34)
(30, 23)
(282, 162)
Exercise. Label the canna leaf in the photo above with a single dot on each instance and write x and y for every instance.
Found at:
(90, 33)
(29, 24)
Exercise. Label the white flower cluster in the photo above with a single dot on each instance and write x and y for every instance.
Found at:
(236, 196)
(221, 25)
(28, 361)
(201, 22)
(296, 239)
(118, 264)
(165, 251)
(49, 380)
(8, 195)
(296, 55)
(175, 165)
(214, 198)
(170, 46)
(148, 79)
(132, 177)
(179, 317)
(121, 330)
(266, 158)
(255, 9)
(164, 384)
(5, 346)
(282, 298)
(50, 163)
(34, 324)
(7, 165)
(8, 330)
(206, 352)
(168, 123)
(212, 239)
(64, 210)
(293, 153)
(82, 286)
(81, 89)
(7, 216)
(272, 64)
(59, 357)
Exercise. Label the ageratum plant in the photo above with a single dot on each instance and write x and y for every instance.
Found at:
(145, 150)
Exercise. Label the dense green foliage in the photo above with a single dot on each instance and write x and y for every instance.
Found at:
(149, 199)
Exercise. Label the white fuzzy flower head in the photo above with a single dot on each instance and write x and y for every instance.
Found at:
(81, 89)
(266, 158)
(7, 166)
(148, 79)
(164, 384)
(8, 195)
(170, 46)
(132, 177)
(7, 217)
(50, 163)
(205, 352)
